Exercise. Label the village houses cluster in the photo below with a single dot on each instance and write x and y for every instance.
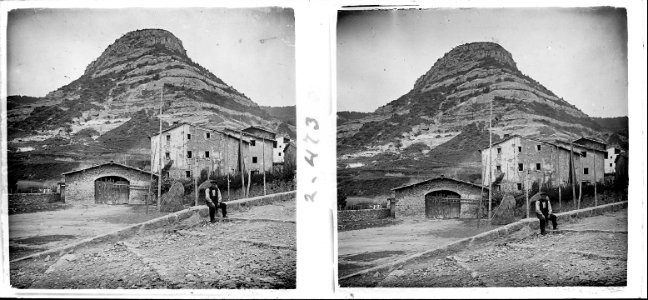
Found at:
(517, 162)
(190, 149)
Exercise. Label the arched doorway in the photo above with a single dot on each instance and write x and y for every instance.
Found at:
(442, 204)
(112, 190)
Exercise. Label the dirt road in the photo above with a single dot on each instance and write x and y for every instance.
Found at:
(591, 252)
(229, 254)
(365, 248)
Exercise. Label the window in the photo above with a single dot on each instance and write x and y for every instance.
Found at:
(274, 144)
(498, 168)
(207, 135)
(188, 174)
(252, 143)
(519, 186)
(520, 167)
(168, 137)
(189, 154)
(520, 149)
(610, 164)
(538, 166)
(167, 155)
(606, 155)
(188, 136)
(499, 150)
(254, 159)
(584, 153)
(539, 147)
(280, 155)
(206, 154)
(585, 171)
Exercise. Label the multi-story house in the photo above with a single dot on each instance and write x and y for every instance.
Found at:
(190, 149)
(517, 162)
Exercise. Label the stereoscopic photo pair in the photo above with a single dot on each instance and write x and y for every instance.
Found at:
(157, 148)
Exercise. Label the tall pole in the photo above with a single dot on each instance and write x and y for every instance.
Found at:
(227, 166)
(595, 198)
(241, 163)
(195, 180)
(263, 166)
(580, 182)
(159, 196)
(572, 171)
(481, 198)
(526, 192)
(490, 160)
(559, 179)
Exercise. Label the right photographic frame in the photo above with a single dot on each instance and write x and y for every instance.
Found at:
(482, 147)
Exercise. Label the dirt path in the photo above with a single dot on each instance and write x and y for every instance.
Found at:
(591, 252)
(227, 254)
(35, 232)
(365, 248)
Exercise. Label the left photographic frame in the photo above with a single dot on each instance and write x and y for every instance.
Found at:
(151, 148)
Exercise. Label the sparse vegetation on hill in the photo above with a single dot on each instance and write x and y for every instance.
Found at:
(109, 112)
(287, 114)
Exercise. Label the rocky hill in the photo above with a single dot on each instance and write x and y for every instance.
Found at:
(438, 126)
(109, 111)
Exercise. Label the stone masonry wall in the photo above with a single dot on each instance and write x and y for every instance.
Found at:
(411, 201)
(352, 216)
(80, 186)
(18, 201)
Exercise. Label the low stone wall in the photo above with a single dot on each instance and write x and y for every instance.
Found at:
(26, 200)
(191, 215)
(352, 216)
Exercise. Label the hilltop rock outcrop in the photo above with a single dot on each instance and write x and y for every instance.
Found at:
(448, 111)
(129, 79)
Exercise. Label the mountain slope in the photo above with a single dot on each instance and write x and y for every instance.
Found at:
(112, 108)
(439, 125)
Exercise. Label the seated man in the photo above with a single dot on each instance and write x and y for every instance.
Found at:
(544, 212)
(214, 201)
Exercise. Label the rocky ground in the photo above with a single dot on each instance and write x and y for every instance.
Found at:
(231, 254)
(591, 252)
(368, 247)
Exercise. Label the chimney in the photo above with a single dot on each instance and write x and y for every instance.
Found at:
(506, 135)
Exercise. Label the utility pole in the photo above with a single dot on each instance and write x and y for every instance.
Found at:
(572, 171)
(195, 182)
(526, 191)
(490, 161)
(227, 166)
(263, 166)
(241, 163)
(559, 179)
(580, 182)
(159, 197)
(595, 198)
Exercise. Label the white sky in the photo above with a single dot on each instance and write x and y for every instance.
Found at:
(578, 53)
(49, 48)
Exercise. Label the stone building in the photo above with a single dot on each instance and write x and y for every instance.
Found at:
(439, 197)
(109, 183)
(519, 161)
(278, 155)
(610, 159)
(190, 149)
(262, 147)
